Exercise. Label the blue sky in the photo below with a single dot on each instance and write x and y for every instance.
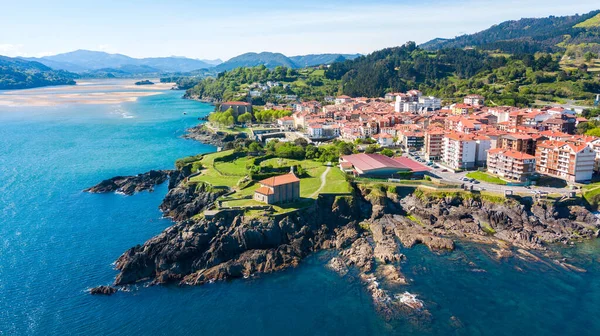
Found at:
(223, 29)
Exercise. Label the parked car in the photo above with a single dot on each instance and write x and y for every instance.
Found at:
(465, 179)
(476, 182)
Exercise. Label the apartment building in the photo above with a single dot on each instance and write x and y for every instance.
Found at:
(518, 142)
(433, 143)
(568, 161)
(510, 164)
(464, 151)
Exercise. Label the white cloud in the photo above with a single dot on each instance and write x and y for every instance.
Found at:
(8, 49)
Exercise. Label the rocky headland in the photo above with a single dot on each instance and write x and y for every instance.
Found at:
(216, 138)
(130, 185)
(367, 230)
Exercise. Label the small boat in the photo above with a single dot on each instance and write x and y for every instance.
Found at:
(184, 112)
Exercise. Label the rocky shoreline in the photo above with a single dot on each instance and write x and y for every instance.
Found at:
(366, 229)
(129, 185)
(207, 136)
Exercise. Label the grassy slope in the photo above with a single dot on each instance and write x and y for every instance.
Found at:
(229, 173)
(590, 23)
(485, 177)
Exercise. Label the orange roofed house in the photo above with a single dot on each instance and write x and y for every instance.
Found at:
(278, 189)
(511, 164)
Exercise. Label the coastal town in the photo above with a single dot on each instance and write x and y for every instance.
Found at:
(483, 147)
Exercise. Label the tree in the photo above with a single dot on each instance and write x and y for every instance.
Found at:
(255, 147)
(312, 152)
(594, 132)
(589, 56)
(301, 142)
(372, 149)
(387, 152)
(245, 118)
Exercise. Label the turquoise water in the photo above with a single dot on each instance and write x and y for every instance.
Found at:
(56, 242)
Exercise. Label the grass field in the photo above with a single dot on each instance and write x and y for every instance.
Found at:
(336, 182)
(279, 162)
(228, 174)
(212, 176)
(591, 193)
(233, 168)
(485, 177)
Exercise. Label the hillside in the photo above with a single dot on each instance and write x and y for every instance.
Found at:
(268, 59)
(319, 59)
(272, 60)
(88, 61)
(16, 73)
(235, 85)
(452, 73)
(530, 35)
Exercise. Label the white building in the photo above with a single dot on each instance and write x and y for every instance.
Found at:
(430, 103)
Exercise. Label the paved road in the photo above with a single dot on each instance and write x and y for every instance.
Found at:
(323, 181)
(457, 178)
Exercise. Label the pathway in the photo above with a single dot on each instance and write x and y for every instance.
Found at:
(323, 180)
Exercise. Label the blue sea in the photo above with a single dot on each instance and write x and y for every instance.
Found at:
(56, 242)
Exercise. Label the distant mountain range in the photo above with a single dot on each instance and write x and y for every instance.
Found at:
(101, 64)
(272, 60)
(86, 61)
(531, 35)
(16, 73)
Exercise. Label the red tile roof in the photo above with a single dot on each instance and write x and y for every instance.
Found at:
(236, 103)
(367, 162)
(265, 191)
(412, 164)
(511, 153)
(280, 180)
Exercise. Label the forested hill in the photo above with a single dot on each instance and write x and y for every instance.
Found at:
(520, 79)
(407, 67)
(17, 73)
(273, 60)
(531, 35)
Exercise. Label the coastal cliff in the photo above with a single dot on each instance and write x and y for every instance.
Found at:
(368, 229)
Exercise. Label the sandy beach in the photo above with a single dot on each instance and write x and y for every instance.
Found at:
(90, 92)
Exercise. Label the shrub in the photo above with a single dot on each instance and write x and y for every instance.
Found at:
(187, 160)
(392, 190)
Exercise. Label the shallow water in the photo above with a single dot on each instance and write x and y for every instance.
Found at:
(56, 242)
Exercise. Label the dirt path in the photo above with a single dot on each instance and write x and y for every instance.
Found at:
(323, 180)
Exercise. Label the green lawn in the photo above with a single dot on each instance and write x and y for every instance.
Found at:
(212, 176)
(279, 162)
(591, 193)
(485, 177)
(233, 168)
(228, 174)
(336, 182)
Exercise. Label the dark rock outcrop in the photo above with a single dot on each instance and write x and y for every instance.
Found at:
(130, 185)
(219, 139)
(189, 199)
(233, 246)
(103, 290)
(529, 226)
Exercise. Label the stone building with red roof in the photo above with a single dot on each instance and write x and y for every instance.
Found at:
(279, 189)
